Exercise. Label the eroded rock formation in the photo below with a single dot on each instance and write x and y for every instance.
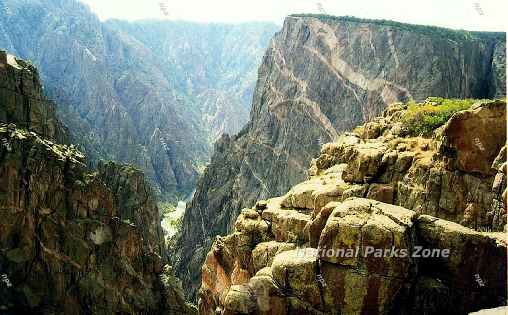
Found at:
(307, 252)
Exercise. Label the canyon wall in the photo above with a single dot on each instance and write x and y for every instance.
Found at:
(72, 241)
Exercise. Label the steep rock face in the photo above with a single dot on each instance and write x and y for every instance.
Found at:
(498, 84)
(320, 248)
(213, 65)
(73, 241)
(23, 100)
(135, 93)
(320, 76)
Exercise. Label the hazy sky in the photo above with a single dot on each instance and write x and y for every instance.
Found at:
(465, 14)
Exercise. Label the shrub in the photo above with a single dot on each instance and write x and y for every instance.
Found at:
(166, 208)
(423, 119)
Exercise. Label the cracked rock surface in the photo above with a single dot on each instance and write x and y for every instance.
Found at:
(385, 224)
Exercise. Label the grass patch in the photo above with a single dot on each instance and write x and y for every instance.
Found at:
(422, 119)
(166, 208)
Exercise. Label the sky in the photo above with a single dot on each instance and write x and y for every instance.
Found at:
(481, 15)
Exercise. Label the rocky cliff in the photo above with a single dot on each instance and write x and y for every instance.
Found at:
(134, 92)
(23, 100)
(213, 65)
(322, 75)
(72, 241)
(335, 244)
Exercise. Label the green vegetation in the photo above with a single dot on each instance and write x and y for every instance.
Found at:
(433, 31)
(166, 208)
(422, 119)
(172, 220)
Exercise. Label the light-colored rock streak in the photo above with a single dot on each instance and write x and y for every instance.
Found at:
(265, 188)
(303, 98)
(343, 70)
(392, 48)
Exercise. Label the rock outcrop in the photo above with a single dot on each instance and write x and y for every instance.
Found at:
(458, 174)
(72, 241)
(385, 224)
(23, 100)
(371, 258)
(320, 76)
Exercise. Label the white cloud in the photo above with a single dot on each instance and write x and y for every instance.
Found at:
(448, 13)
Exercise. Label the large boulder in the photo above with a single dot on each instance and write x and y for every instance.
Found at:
(472, 138)
(363, 243)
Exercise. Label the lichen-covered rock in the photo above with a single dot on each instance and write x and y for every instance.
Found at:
(264, 253)
(62, 228)
(425, 174)
(388, 270)
(333, 247)
(364, 163)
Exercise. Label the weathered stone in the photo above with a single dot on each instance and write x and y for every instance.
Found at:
(239, 300)
(314, 227)
(261, 205)
(314, 281)
(263, 254)
(73, 241)
(317, 191)
(365, 162)
(357, 224)
(295, 271)
(474, 261)
(473, 138)
(289, 226)
(381, 192)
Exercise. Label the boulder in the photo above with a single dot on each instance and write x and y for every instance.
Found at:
(239, 300)
(295, 271)
(365, 162)
(381, 192)
(472, 269)
(473, 138)
(263, 253)
(361, 225)
(316, 192)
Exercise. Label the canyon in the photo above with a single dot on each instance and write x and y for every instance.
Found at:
(365, 138)
(155, 94)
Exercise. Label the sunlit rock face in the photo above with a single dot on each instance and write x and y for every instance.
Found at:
(385, 224)
(319, 77)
